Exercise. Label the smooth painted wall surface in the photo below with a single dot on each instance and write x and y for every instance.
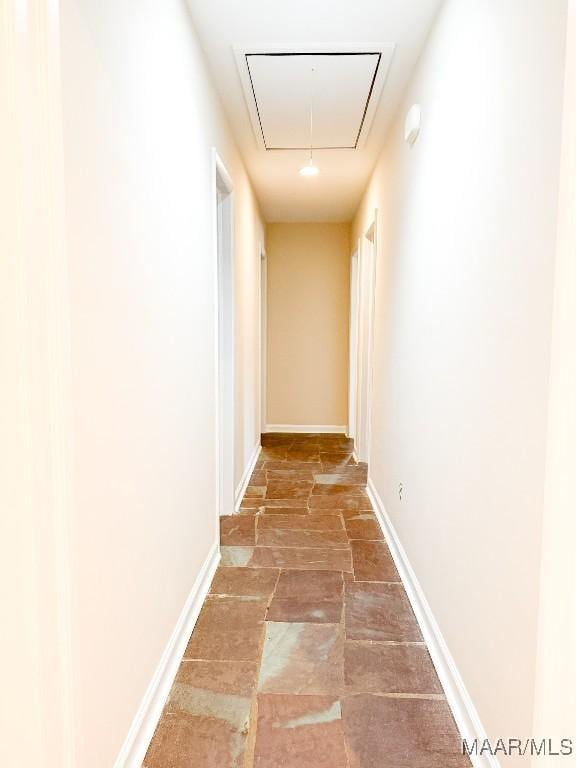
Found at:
(140, 121)
(308, 317)
(555, 705)
(34, 648)
(467, 222)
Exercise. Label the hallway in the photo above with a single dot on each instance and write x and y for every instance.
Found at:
(287, 312)
(306, 653)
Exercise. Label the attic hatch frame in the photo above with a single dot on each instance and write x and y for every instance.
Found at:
(383, 51)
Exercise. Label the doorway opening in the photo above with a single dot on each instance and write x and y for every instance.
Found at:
(364, 310)
(224, 247)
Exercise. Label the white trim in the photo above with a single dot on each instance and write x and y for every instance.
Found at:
(458, 698)
(368, 255)
(353, 342)
(263, 336)
(372, 235)
(224, 338)
(146, 719)
(243, 484)
(328, 429)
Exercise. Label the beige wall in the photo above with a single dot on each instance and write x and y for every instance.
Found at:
(467, 222)
(34, 638)
(140, 120)
(308, 316)
(107, 341)
(555, 706)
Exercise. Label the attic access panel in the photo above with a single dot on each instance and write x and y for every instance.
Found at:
(344, 88)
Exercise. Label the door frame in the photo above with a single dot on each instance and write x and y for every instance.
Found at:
(263, 329)
(223, 237)
(367, 286)
(353, 343)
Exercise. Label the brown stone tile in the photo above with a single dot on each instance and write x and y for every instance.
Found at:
(210, 718)
(237, 530)
(276, 438)
(289, 475)
(379, 612)
(183, 740)
(354, 475)
(271, 537)
(337, 442)
(338, 478)
(255, 491)
(308, 445)
(328, 510)
(250, 506)
(327, 478)
(228, 629)
(268, 510)
(368, 530)
(249, 511)
(303, 454)
(291, 609)
(315, 585)
(373, 561)
(302, 559)
(337, 489)
(344, 476)
(296, 503)
(302, 596)
(288, 489)
(332, 467)
(302, 658)
(255, 582)
(299, 732)
(383, 668)
(235, 556)
(337, 458)
(340, 501)
(383, 732)
(306, 466)
(301, 522)
(258, 477)
(357, 514)
(237, 678)
(274, 453)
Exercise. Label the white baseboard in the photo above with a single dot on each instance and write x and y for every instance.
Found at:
(146, 719)
(243, 484)
(326, 429)
(458, 698)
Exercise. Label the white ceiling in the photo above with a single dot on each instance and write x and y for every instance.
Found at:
(282, 86)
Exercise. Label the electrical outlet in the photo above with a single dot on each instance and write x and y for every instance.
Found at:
(400, 490)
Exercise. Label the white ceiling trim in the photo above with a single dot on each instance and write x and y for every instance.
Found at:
(385, 50)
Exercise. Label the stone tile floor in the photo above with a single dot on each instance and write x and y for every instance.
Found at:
(306, 653)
